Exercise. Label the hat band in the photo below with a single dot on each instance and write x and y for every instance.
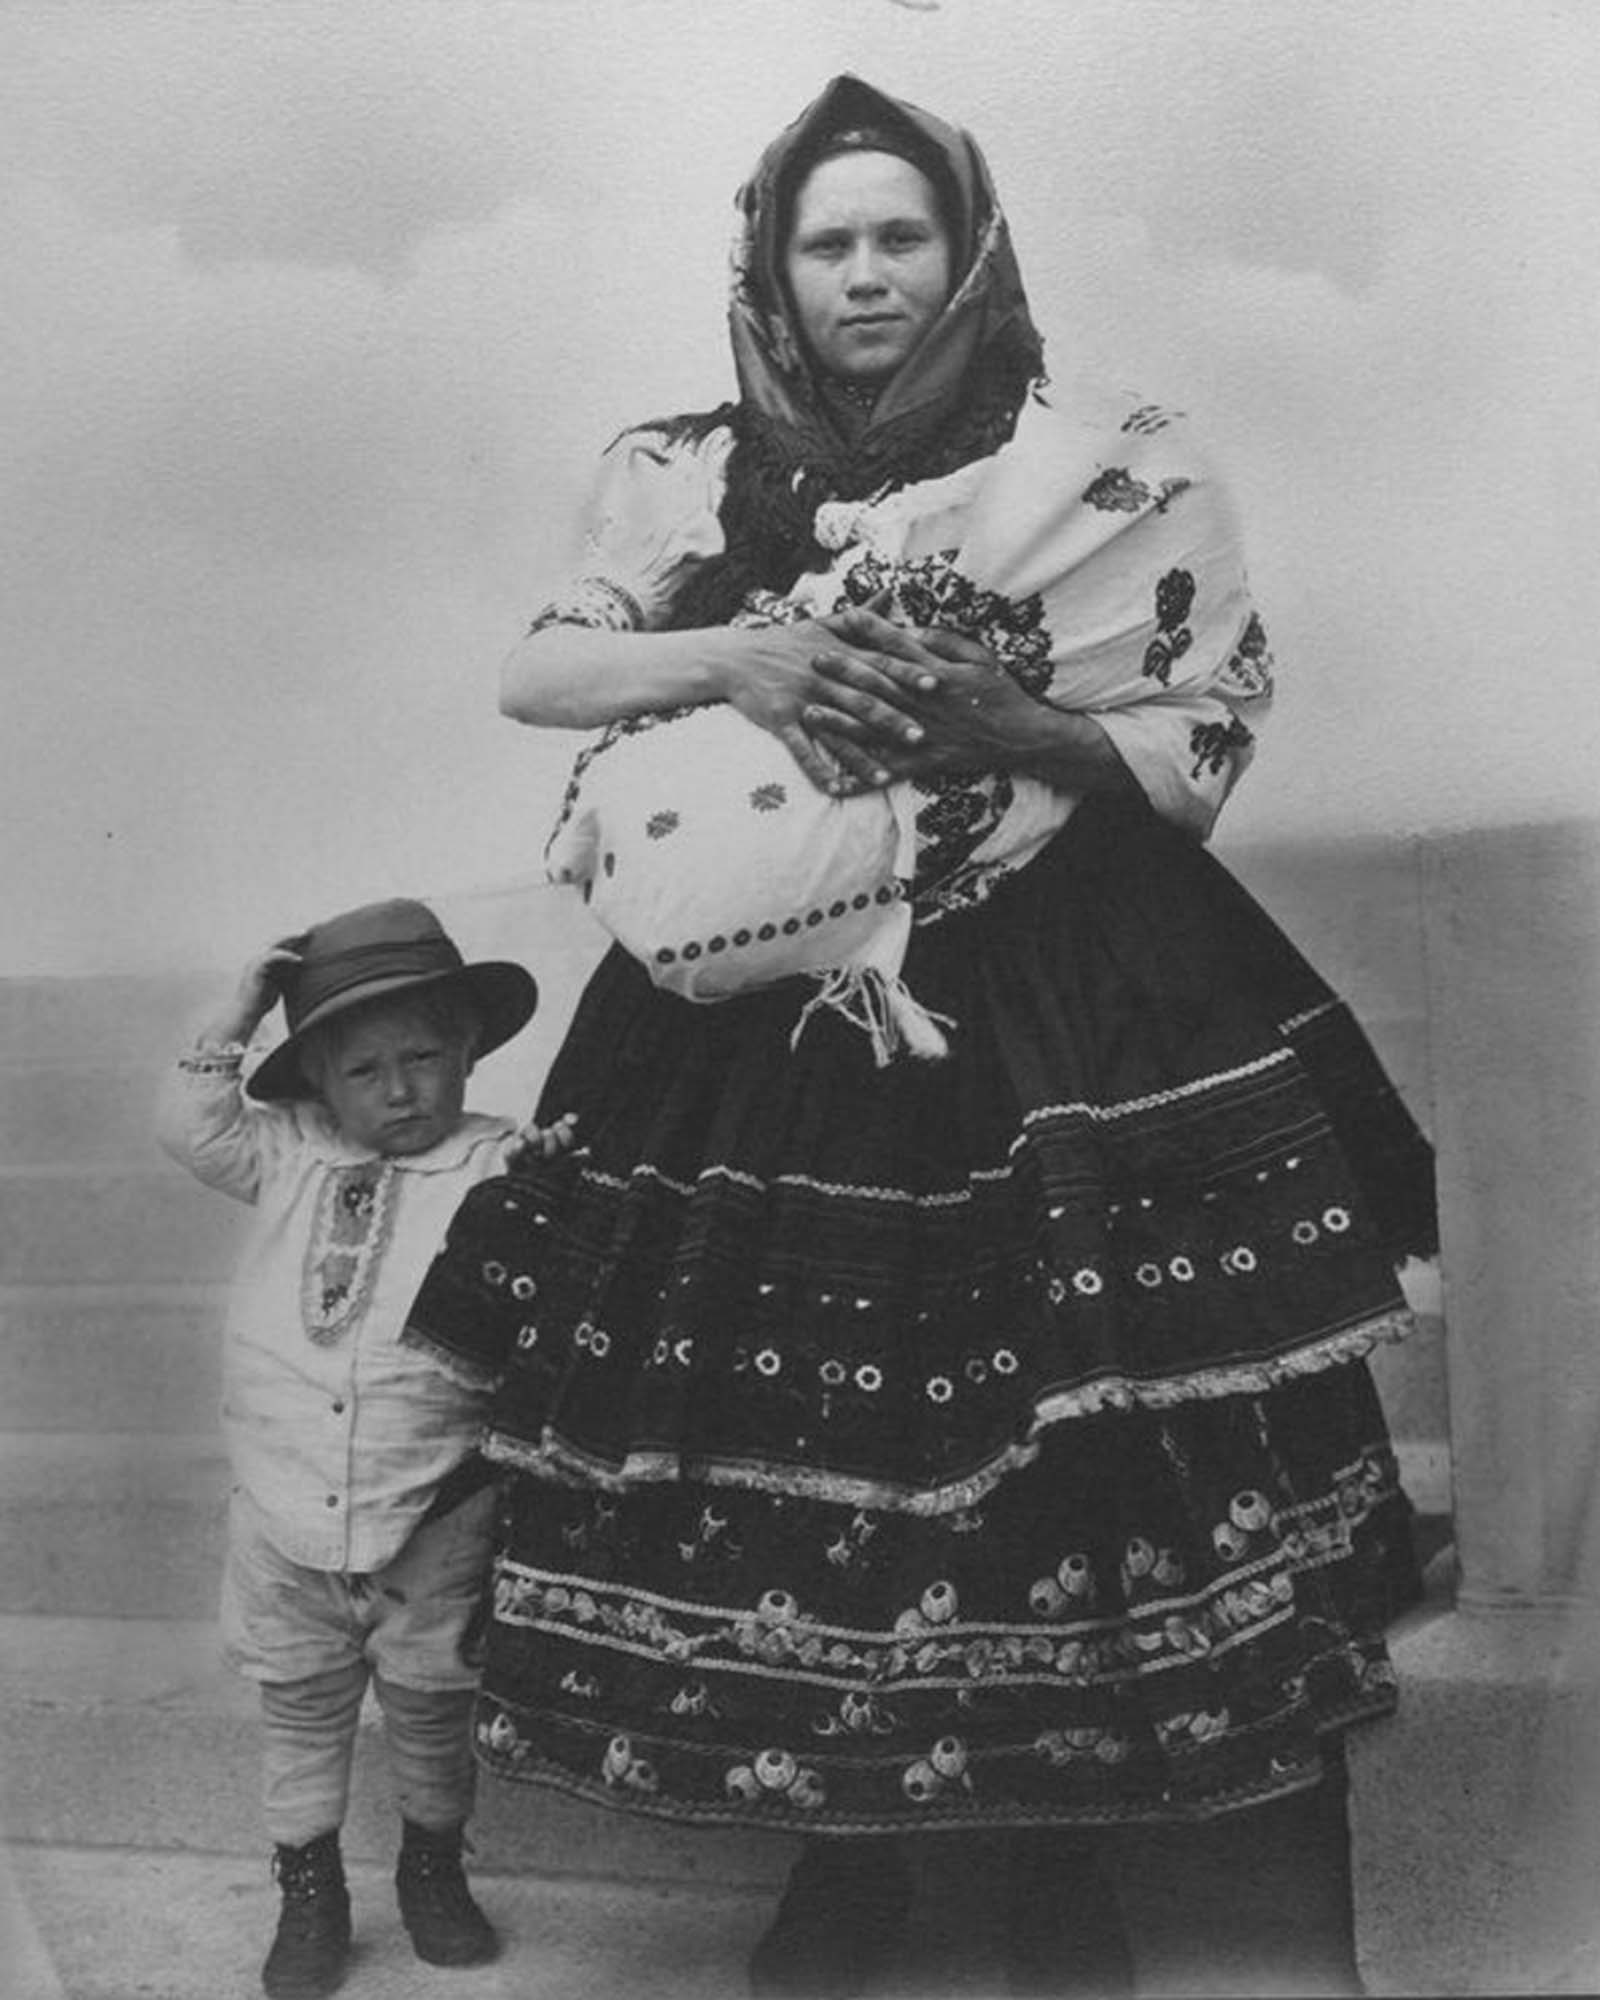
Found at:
(358, 965)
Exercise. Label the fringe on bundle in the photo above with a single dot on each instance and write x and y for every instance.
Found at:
(883, 1007)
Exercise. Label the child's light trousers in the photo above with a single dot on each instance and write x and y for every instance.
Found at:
(315, 1640)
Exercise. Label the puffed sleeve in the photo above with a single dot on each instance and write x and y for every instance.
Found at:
(652, 518)
(1189, 748)
(1118, 560)
(206, 1124)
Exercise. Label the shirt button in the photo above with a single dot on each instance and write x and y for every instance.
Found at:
(332, 1500)
(338, 1408)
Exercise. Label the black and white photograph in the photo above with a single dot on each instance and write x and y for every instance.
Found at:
(799, 999)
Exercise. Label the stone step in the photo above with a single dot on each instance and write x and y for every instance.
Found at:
(138, 1868)
(111, 1526)
(127, 1732)
(1411, 1374)
(111, 1923)
(111, 1358)
(112, 1019)
(114, 1924)
(53, 1114)
(107, 1225)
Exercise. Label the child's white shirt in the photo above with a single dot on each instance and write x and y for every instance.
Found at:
(338, 1432)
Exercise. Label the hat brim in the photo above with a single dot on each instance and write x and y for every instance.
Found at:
(503, 994)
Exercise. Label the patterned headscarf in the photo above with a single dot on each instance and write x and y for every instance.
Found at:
(954, 399)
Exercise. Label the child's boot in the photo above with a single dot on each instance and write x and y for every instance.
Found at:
(312, 1947)
(436, 1906)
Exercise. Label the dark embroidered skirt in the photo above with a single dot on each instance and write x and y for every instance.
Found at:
(980, 1442)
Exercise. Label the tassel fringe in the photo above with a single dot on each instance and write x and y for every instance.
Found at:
(884, 1009)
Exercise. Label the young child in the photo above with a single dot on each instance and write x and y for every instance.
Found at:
(359, 1523)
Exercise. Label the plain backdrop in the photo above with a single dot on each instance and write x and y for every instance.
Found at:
(316, 317)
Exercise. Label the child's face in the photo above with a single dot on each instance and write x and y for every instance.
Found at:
(393, 1082)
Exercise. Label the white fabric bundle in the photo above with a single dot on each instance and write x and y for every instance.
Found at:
(1097, 560)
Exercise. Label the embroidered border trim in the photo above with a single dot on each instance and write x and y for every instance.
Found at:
(560, 1461)
(528, 1769)
(737, 1177)
(223, 1061)
(1115, 1648)
(791, 926)
(593, 601)
(1131, 1106)
(353, 1223)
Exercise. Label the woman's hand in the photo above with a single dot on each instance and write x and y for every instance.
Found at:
(949, 705)
(776, 677)
(920, 702)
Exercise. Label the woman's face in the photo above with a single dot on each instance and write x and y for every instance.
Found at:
(868, 263)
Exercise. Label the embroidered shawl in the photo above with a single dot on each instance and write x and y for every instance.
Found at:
(1089, 547)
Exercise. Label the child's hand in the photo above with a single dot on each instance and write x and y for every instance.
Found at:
(543, 1142)
(258, 991)
(262, 981)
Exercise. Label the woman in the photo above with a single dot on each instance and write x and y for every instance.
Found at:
(981, 1442)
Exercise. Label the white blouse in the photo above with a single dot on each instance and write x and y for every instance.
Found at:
(1097, 553)
(338, 1433)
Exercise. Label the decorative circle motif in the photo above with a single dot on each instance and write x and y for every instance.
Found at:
(776, 1770)
(920, 1782)
(1149, 1275)
(948, 1756)
(1046, 1598)
(1074, 1575)
(940, 1389)
(1249, 1510)
(869, 1377)
(768, 1362)
(938, 1603)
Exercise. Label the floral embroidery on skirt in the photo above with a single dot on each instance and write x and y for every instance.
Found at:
(977, 1442)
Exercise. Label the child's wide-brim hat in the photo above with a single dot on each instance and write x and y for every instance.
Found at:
(379, 952)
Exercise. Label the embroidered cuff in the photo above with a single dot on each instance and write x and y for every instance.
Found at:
(594, 601)
(213, 1059)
